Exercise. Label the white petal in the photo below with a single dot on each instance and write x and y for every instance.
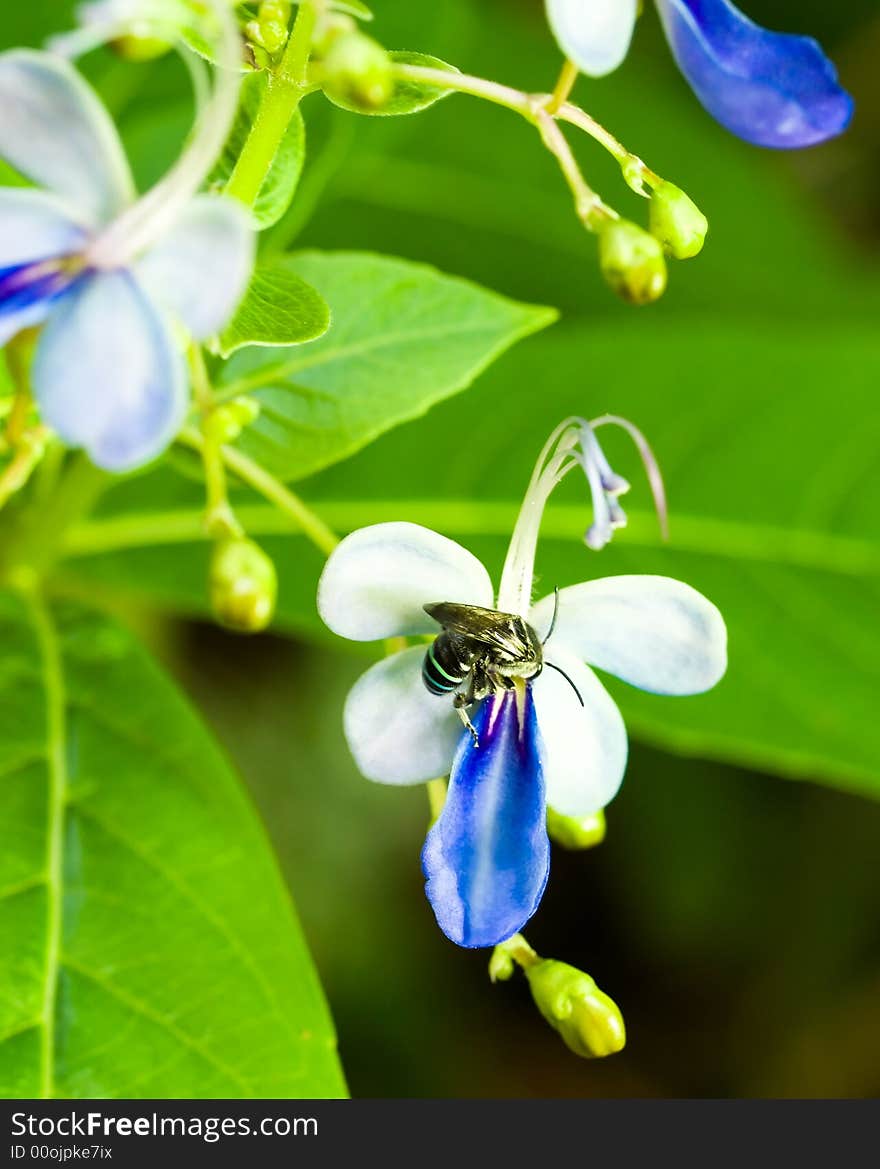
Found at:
(35, 226)
(583, 748)
(107, 374)
(651, 631)
(397, 731)
(201, 269)
(594, 34)
(54, 130)
(375, 584)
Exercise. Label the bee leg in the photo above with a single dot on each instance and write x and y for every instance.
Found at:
(465, 699)
(460, 702)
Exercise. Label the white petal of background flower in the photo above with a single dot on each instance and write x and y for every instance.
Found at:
(583, 748)
(107, 374)
(397, 731)
(594, 34)
(55, 131)
(375, 584)
(651, 631)
(35, 226)
(201, 268)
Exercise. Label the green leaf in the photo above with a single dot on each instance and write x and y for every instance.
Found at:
(774, 516)
(279, 308)
(279, 186)
(149, 946)
(409, 97)
(403, 337)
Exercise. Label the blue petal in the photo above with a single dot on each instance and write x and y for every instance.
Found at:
(772, 89)
(26, 294)
(107, 374)
(486, 859)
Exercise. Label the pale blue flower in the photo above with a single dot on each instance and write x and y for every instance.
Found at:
(111, 280)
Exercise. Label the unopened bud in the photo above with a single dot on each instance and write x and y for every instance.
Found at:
(357, 72)
(588, 1021)
(576, 832)
(501, 965)
(225, 424)
(270, 29)
(677, 222)
(138, 49)
(243, 585)
(632, 262)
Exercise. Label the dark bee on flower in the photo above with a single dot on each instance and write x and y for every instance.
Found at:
(487, 650)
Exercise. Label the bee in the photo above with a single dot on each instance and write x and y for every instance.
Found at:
(486, 650)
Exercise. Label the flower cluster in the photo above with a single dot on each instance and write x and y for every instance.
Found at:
(544, 730)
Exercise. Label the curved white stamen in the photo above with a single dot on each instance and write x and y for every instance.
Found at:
(649, 461)
(572, 444)
(151, 217)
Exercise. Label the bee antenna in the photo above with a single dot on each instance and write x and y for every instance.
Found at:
(566, 677)
(555, 615)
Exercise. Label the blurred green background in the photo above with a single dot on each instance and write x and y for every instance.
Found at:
(733, 914)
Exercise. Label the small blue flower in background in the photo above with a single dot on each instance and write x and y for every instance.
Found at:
(108, 277)
(555, 738)
(772, 89)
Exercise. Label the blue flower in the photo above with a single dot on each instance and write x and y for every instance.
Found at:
(772, 89)
(556, 738)
(109, 278)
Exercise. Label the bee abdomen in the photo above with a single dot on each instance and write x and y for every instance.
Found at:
(442, 670)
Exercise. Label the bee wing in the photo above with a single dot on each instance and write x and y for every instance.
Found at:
(487, 626)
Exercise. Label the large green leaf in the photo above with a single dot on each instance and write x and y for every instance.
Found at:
(149, 947)
(774, 516)
(402, 338)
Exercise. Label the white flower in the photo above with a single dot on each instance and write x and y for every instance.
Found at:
(104, 274)
(556, 737)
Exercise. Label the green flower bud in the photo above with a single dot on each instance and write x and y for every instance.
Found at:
(588, 1021)
(501, 965)
(576, 832)
(677, 222)
(632, 262)
(225, 424)
(357, 72)
(140, 49)
(243, 585)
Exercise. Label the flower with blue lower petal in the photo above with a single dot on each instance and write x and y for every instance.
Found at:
(110, 278)
(553, 738)
(772, 89)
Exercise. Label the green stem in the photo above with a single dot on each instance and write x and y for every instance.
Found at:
(519, 950)
(288, 85)
(38, 537)
(270, 488)
(219, 517)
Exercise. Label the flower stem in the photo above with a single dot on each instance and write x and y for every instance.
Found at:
(310, 524)
(288, 85)
(219, 517)
(564, 86)
(519, 950)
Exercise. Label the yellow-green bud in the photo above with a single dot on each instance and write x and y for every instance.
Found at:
(243, 585)
(632, 262)
(677, 222)
(576, 832)
(139, 49)
(357, 72)
(226, 422)
(588, 1021)
(501, 965)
